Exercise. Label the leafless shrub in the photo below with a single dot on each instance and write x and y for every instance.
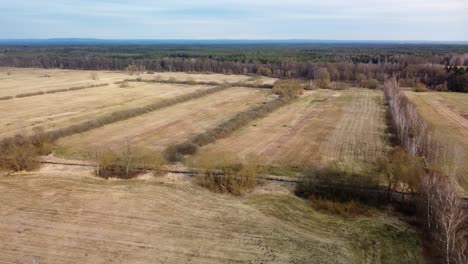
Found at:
(18, 154)
(29, 94)
(288, 88)
(4, 98)
(224, 175)
(94, 76)
(126, 163)
(322, 78)
(124, 85)
(420, 87)
(46, 76)
(177, 152)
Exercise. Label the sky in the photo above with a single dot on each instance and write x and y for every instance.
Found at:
(439, 20)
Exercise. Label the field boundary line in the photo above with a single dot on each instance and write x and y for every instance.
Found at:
(213, 83)
(76, 88)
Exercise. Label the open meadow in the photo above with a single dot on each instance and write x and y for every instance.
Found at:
(324, 127)
(447, 114)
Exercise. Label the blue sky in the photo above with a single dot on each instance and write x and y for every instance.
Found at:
(236, 19)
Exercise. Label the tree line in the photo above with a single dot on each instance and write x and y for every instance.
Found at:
(412, 64)
(432, 164)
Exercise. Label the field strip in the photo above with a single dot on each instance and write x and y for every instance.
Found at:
(173, 124)
(76, 88)
(269, 138)
(63, 109)
(456, 119)
(127, 113)
(445, 112)
(358, 136)
(321, 127)
(26, 82)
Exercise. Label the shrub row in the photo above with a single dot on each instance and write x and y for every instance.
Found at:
(286, 91)
(128, 113)
(53, 91)
(193, 82)
(241, 119)
(3, 98)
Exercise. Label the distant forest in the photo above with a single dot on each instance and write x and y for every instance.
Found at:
(439, 66)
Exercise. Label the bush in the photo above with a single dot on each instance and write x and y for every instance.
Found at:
(370, 83)
(124, 85)
(322, 78)
(176, 153)
(373, 84)
(3, 98)
(339, 86)
(125, 164)
(420, 87)
(288, 88)
(224, 176)
(94, 76)
(18, 154)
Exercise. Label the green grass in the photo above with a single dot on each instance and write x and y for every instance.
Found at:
(332, 239)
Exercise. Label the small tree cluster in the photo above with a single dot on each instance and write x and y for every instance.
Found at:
(288, 88)
(126, 163)
(322, 78)
(223, 175)
(444, 217)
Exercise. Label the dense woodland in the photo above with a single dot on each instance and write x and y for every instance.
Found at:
(438, 66)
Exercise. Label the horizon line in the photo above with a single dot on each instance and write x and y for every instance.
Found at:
(304, 40)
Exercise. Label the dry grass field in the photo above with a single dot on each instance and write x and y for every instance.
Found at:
(20, 115)
(66, 216)
(448, 114)
(61, 109)
(346, 128)
(14, 81)
(168, 126)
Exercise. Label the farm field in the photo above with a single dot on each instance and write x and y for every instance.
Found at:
(68, 216)
(167, 126)
(60, 109)
(15, 81)
(324, 127)
(447, 113)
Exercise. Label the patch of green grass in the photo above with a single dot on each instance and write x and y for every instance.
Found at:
(334, 239)
(292, 171)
